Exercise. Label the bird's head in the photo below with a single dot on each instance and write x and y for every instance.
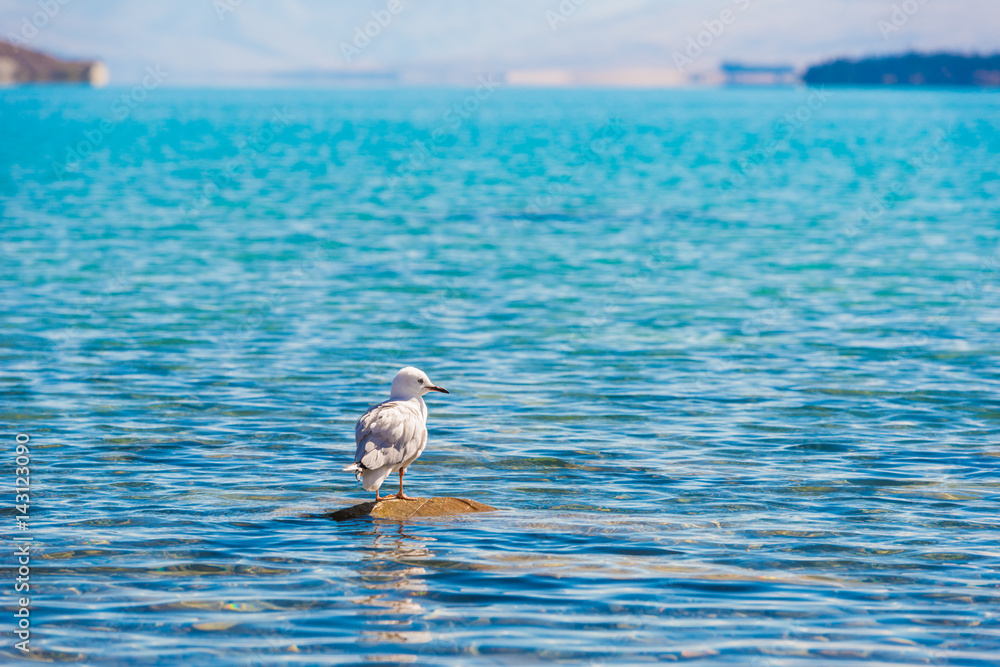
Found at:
(412, 382)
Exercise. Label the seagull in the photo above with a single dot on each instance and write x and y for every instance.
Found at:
(392, 434)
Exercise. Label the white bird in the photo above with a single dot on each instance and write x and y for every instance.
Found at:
(392, 434)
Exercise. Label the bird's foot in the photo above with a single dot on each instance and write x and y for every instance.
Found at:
(401, 496)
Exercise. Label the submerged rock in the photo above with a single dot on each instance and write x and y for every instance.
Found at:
(394, 508)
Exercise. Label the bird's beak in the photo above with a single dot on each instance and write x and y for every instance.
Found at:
(441, 389)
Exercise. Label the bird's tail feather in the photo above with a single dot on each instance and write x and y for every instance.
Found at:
(371, 480)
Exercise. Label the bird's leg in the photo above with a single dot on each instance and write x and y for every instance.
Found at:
(400, 494)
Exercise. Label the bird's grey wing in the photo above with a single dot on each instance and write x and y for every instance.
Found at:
(385, 435)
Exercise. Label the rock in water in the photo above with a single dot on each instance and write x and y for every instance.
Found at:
(394, 508)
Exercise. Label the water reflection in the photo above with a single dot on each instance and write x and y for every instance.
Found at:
(390, 570)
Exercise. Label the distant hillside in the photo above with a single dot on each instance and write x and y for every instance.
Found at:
(20, 65)
(912, 69)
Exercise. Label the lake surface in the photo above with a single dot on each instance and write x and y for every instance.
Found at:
(726, 360)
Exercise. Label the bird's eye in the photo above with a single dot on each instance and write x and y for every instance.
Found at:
(420, 381)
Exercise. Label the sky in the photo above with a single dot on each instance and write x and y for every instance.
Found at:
(243, 41)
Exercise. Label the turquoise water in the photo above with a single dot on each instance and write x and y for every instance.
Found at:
(728, 419)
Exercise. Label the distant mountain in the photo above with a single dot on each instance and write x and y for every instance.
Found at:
(911, 69)
(21, 65)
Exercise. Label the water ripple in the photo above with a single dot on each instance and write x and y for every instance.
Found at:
(723, 421)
